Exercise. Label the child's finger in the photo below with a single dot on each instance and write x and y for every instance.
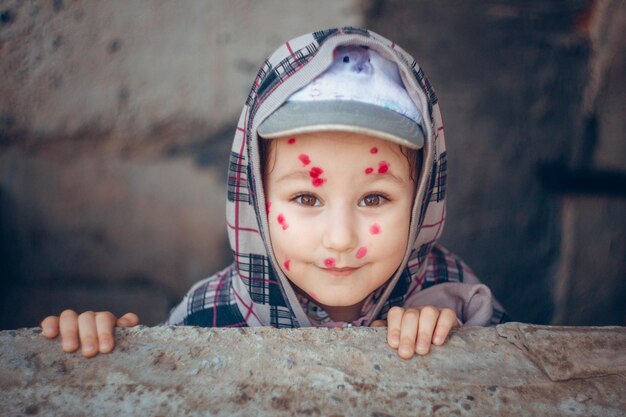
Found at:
(68, 326)
(128, 320)
(394, 320)
(447, 320)
(408, 333)
(428, 320)
(50, 327)
(379, 323)
(105, 322)
(88, 333)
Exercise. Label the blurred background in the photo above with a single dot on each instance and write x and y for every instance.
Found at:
(116, 119)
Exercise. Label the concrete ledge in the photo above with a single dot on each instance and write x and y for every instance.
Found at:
(512, 369)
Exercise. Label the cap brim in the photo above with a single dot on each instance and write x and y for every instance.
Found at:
(298, 117)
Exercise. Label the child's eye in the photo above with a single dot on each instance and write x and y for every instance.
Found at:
(307, 200)
(373, 200)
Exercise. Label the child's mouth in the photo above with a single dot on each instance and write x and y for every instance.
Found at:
(341, 271)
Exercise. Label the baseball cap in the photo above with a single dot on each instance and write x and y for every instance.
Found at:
(361, 92)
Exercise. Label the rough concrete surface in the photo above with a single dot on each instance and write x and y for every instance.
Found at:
(512, 369)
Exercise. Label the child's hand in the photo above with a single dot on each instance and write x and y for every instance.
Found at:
(93, 332)
(411, 330)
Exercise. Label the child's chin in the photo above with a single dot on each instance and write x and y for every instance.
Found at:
(334, 301)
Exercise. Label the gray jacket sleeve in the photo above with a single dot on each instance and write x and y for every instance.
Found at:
(472, 303)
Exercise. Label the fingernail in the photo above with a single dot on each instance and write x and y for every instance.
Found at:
(438, 340)
(88, 348)
(405, 350)
(395, 339)
(68, 342)
(123, 322)
(105, 346)
(421, 347)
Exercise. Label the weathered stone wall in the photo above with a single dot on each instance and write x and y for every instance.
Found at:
(532, 95)
(75, 68)
(116, 118)
(509, 370)
(591, 280)
(115, 126)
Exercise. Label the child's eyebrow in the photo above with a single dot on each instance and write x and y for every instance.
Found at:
(373, 178)
(389, 175)
(296, 175)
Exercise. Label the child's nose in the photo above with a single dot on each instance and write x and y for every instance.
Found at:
(339, 231)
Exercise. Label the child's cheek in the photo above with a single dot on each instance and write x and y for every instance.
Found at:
(282, 221)
(372, 242)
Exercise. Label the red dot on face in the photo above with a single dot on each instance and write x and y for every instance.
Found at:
(304, 158)
(329, 262)
(282, 221)
(361, 252)
(286, 264)
(383, 167)
(291, 141)
(315, 172)
(369, 170)
(374, 150)
(314, 296)
(267, 207)
(317, 182)
(375, 229)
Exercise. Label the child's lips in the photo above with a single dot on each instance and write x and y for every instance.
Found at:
(344, 271)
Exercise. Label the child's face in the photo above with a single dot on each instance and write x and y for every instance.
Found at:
(339, 208)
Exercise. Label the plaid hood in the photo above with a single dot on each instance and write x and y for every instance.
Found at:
(253, 291)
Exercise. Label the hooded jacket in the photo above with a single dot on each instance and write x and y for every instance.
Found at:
(253, 291)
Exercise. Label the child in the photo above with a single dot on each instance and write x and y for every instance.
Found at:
(336, 196)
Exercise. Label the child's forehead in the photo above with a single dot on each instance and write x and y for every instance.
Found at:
(329, 141)
(340, 153)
